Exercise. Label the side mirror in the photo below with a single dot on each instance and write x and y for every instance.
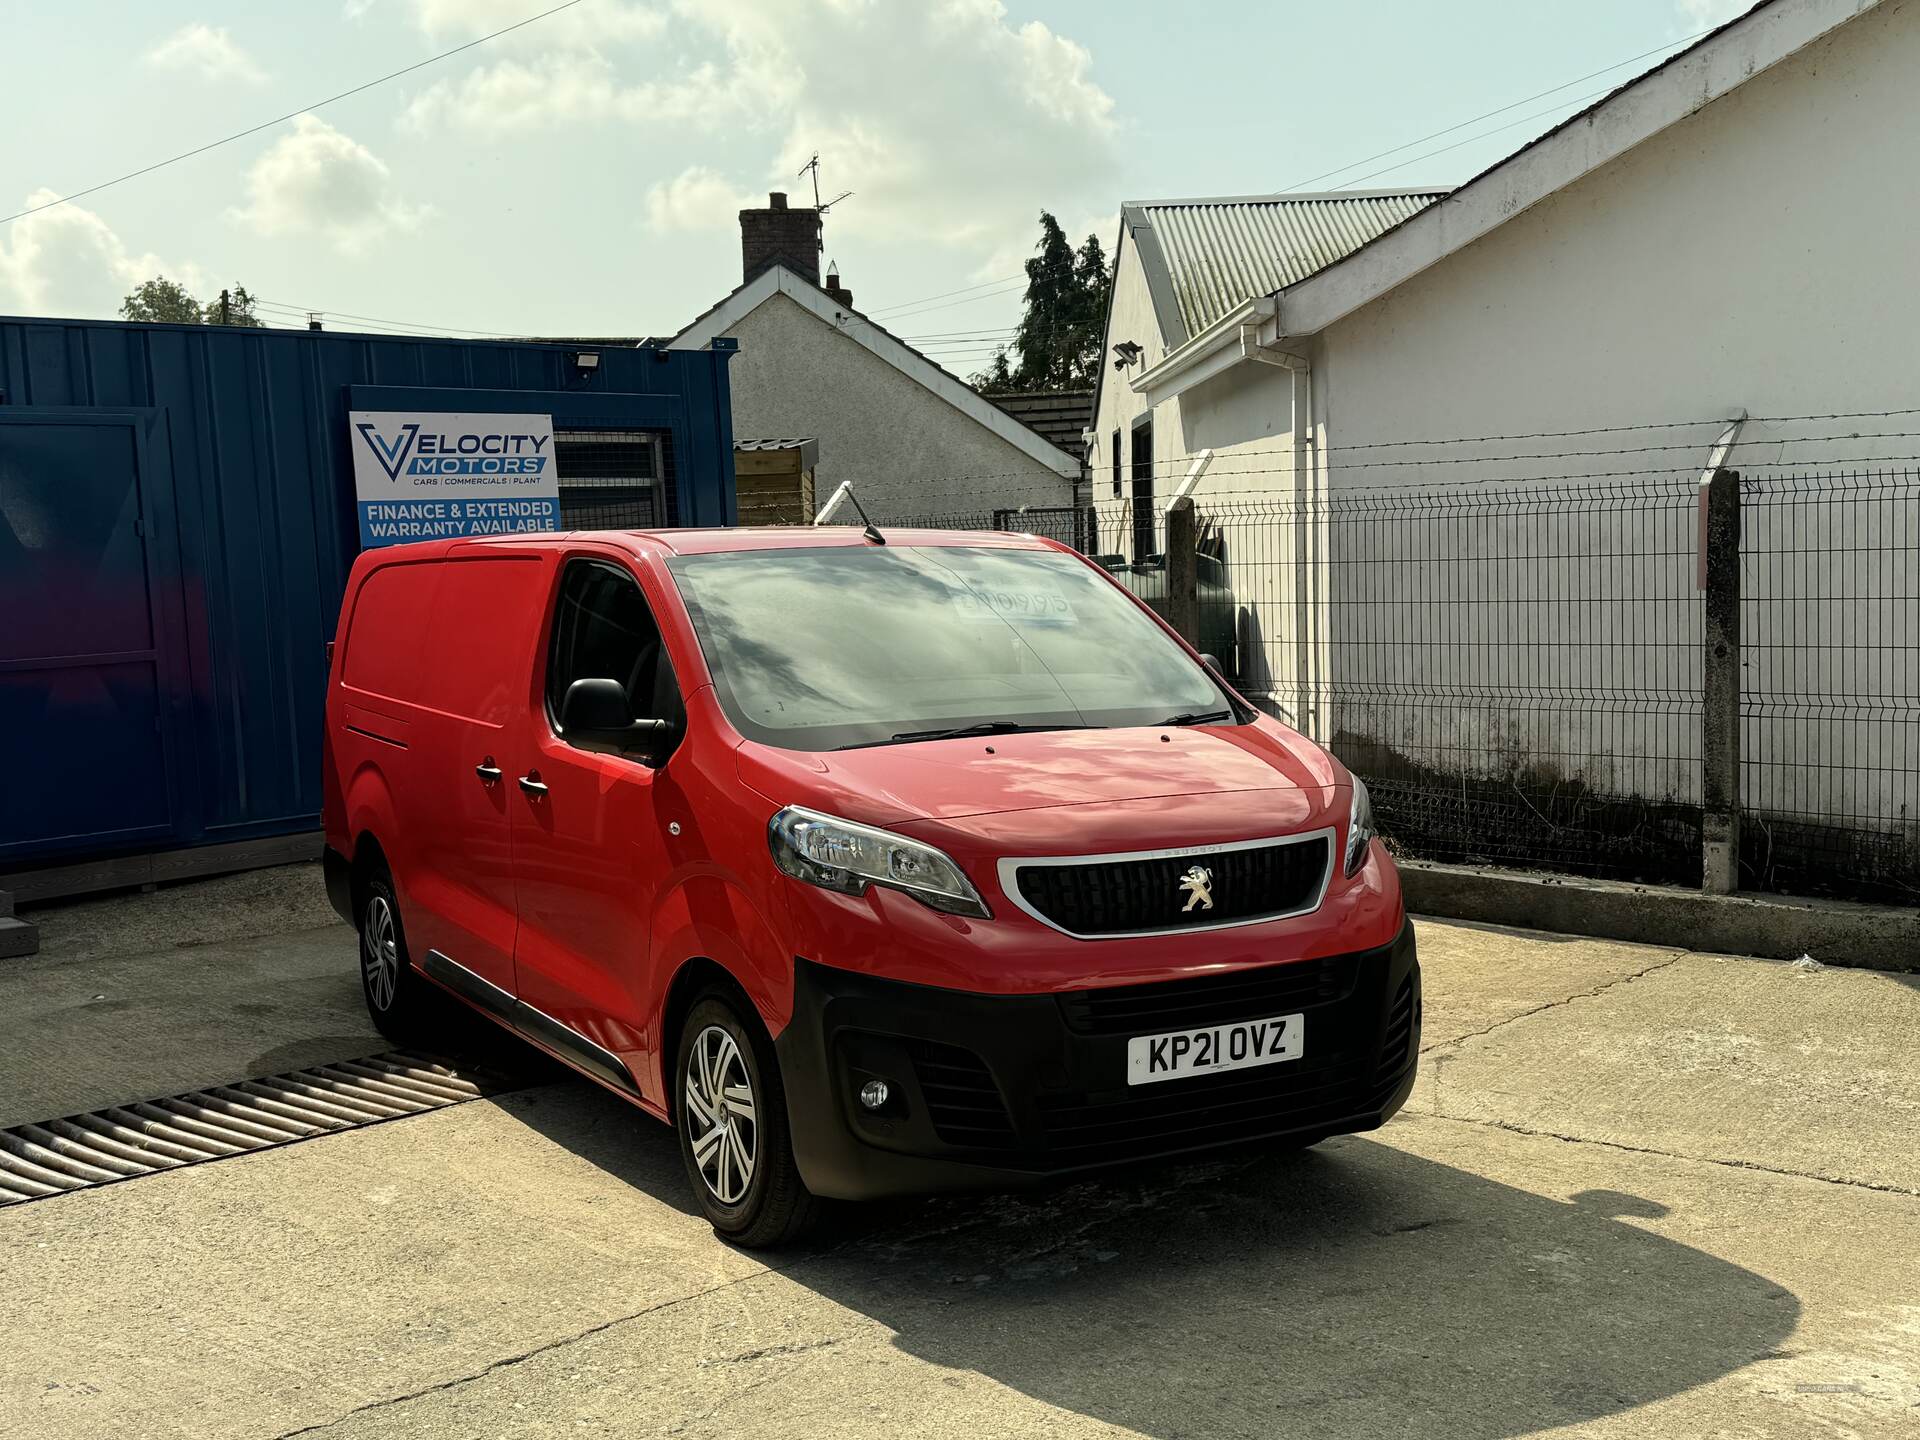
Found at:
(597, 715)
(1212, 662)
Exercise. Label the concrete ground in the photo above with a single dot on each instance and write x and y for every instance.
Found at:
(1639, 1192)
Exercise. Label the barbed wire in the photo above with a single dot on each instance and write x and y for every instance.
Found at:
(1214, 492)
(1225, 462)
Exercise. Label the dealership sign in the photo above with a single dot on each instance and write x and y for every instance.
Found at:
(439, 476)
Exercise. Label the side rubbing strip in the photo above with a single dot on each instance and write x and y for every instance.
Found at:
(536, 1024)
(592, 1058)
(470, 986)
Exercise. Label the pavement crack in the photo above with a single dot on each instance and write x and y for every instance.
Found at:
(768, 1352)
(507, 1362)
(1454, 1042)
(1731, 1164)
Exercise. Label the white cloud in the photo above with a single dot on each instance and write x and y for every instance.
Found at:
(68, 261)
(319, 181)
(950, 124)
(597, 23)
(206, 52)
(696, 199)
(554, 90)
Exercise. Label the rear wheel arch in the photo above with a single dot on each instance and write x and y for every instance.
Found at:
(369, 859)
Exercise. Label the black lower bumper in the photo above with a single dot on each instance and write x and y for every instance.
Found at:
(339, 876)
(992, 1091)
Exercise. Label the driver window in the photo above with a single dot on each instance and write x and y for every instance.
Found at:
(603, 629)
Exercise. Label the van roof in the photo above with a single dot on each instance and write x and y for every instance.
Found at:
(772, 537)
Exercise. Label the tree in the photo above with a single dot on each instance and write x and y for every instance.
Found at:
(166, 302)
(237, 309)
(161, 301)
(1060, 332)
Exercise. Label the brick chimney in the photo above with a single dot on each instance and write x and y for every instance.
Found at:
(842, 296)
(780, 236)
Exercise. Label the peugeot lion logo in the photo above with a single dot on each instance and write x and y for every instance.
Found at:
(1198, 883)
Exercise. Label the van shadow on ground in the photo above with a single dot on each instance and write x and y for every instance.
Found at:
(1350, 1289)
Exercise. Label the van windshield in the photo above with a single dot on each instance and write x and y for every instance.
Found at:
(830, 648)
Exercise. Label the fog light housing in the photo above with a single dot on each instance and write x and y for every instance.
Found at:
(874, 1094)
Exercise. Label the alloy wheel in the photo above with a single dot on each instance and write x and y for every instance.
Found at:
(721, 1115)
(380, 953)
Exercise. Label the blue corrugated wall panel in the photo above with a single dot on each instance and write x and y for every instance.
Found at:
(244, 492)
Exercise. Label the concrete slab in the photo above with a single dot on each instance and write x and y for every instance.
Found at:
(1783, 927)
(1477, 977)
(76, 1034)
(251, 1296)
(1751, 1062)
(528, 1266)
(275, 901)
(1438, 1280)
(493, 1271)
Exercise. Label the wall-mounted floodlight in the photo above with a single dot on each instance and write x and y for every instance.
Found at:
(586, 362)
(1125, 353)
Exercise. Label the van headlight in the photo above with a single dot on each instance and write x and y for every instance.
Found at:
(1360, 831)
(840, 855)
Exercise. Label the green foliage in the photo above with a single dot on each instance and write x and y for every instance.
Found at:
(237, 311)
(1061, 330)
(162, 301)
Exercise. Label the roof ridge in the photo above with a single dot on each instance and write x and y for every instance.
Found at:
(1290, 197)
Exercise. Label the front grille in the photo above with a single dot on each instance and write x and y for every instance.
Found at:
(1209, 999)
(1118, 897)
(963, 1102)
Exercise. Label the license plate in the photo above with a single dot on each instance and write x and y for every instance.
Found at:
(1240, 1046)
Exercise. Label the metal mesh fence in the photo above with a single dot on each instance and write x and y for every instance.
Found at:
(1516, 667)
(615, 479)
(1515, 671)
(1830, 705)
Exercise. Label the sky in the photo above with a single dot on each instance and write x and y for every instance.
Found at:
(582, 174)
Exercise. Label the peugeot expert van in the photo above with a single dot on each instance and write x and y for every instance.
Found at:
(874, 864)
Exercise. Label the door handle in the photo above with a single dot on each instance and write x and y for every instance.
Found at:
(530, 782)
(487, 771)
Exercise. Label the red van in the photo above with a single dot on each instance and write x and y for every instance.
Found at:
(875, 864)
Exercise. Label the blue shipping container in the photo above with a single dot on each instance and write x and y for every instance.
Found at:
(176, 521)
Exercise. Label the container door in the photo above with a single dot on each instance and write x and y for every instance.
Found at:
(80, 681)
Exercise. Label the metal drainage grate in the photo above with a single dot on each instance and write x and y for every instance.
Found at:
(125, 1141)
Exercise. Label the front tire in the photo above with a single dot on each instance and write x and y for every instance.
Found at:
(399, 998)
(731, 1115)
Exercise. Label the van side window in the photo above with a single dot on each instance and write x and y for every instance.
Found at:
(603, 629)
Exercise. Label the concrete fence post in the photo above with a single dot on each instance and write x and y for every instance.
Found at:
(1720, 708)
(1183, 571)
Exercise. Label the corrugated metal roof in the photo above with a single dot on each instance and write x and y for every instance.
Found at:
(1220, 253)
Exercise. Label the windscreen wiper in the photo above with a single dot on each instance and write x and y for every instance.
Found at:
(1198, 717)
(961, 732)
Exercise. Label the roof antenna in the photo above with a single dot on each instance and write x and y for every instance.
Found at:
(813, 165)
(845, 492)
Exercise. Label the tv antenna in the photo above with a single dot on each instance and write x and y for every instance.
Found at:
(813, 166)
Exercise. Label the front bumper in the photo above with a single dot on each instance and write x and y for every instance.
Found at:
(992, 1091)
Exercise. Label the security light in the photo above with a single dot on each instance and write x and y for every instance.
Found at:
(586, 361)
(1126, 352)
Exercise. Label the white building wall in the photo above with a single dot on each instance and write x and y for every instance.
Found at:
(910, 454)
(1245, 419)
(1758, 255)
